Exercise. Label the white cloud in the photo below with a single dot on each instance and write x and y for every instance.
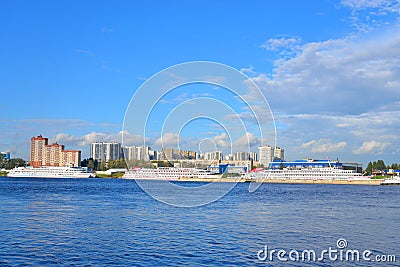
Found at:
(380, 5)
(249, 70)
(17, 133)
(324, 146)
(343, 76)
(367, 15)
(168, 140)
(287, 43)
(87, 139)
(246, 142)
(369, 147)
(294, 130)
(221, 140)
(81, 141)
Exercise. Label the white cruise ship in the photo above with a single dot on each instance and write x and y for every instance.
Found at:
(167, 173)
(50, 172)
(324, 173)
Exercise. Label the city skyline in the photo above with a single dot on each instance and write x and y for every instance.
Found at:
(329, 71)
(105, 151)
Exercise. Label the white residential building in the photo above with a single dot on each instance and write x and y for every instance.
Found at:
(265, 155)
(215, 156)
(279, 153)
(243, 156)
(138, 153)
(105, 151)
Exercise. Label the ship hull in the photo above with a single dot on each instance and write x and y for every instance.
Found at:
(169, 174)
(49, 172)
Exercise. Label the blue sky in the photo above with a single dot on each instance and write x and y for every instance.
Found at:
(329, 69)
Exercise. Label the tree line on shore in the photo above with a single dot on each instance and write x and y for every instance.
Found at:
(103, 166)
(11, 163)
(380, 166)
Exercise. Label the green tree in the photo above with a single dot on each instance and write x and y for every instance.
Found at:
(3, 162)
(121, 164)
(84, 162)
(111, 164)
(369, 168)
(17, 162)
(103, 166)
(376, 165)
(380, 165)
(394, 166)
(91, 164)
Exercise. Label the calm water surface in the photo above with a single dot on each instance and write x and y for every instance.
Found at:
(98, 222)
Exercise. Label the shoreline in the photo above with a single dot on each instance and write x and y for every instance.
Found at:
(373, 182)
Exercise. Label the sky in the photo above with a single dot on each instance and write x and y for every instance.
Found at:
(330, 71)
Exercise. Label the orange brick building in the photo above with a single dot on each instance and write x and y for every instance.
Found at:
(43, 154)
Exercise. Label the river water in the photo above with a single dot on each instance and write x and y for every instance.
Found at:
(113, 222)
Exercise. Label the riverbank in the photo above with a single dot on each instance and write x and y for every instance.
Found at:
(113, 175)
(285, 181)
(245, 180)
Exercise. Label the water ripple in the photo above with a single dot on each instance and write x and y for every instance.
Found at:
(95, 222)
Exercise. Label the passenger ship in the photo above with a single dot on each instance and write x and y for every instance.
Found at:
(50, 172)
(323, 173)
(167, 173)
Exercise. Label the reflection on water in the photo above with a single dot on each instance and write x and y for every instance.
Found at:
(113, 222)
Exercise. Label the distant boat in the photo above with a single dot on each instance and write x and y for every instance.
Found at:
(50, 172)
(394, 181)
(167, 173)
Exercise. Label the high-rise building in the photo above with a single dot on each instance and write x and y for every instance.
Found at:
(279, 153)
(143, 153)
(54, 155)
(153, 154)
(43, 154)
(129, 152)
(176, 154)
(138, 153)
(97, 151)
(253, 156)
(71, 158)
(187, 154)
(240, 156)
(38, 146)
(265, 155)
(169, 153)
(105, 151)
(215, 156)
